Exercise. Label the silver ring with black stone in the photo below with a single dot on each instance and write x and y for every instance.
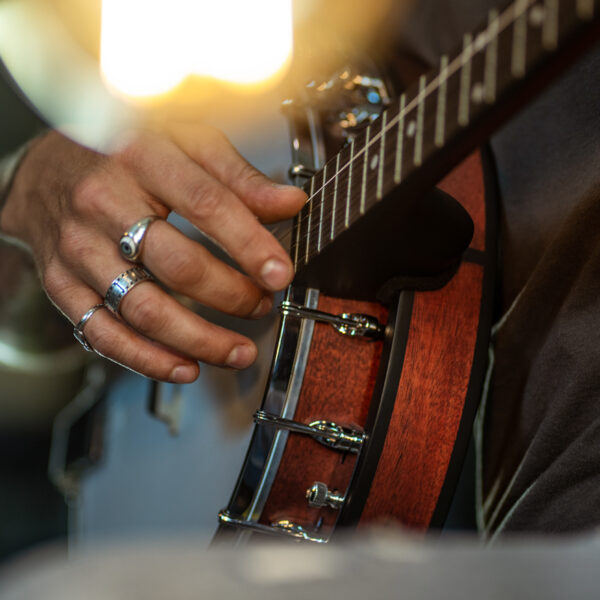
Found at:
(78, 329)
(122, 285)
(132, 240)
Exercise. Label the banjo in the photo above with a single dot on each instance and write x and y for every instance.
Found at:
(381, 352)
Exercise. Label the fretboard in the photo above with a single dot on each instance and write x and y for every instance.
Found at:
(445, 115)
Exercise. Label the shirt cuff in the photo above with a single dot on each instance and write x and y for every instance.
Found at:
(8, 168)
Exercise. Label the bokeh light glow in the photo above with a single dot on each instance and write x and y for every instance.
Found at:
(149, 46)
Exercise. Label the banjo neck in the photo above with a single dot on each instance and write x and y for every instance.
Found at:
(445, 115)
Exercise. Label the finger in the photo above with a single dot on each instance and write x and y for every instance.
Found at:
(180, 263)
(158, 316)
(154, 314)
(168, 173)
(187, 267)
(210, 148)
(112, 338)
(190, 269)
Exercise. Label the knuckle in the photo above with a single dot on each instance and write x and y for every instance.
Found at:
(104, 340)
(147, 316)
(70, 241)
(250, 174)
(142, 361)
(204, 202)
(53, 280)
(183, 269)
(90, 195)
(244, 304)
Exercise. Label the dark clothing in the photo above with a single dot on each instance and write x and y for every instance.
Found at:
(538, 447)
(541, 467)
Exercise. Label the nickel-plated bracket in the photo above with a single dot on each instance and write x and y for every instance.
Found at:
(327, 433)
(300, 170)
(282, 528)
(351, 324)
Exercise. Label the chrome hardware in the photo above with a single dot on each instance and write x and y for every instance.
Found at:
(352, 324)
(318, 496)
(327, 433)
(352, 99)
(283, 528)
(299, 170)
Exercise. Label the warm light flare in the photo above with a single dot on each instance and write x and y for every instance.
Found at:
(149, 46)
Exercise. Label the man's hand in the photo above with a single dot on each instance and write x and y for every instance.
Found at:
(71, 206)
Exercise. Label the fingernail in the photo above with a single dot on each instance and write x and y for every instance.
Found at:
(275, 274)
(241, 356)
(183, 374)
(263, 308)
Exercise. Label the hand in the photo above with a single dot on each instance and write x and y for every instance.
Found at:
(72, 205)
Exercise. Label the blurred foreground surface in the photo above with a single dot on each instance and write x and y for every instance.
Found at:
(379, 565)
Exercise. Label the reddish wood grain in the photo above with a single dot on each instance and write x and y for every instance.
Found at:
(338, 386)
(339, 383)
(429, 402)
(465, 183)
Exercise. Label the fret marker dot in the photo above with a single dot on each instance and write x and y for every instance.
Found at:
(537, 15)
(477, 93)
(480, 41)
(374, 162)
(411, 129)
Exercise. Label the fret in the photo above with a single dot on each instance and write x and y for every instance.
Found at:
(585, 9)
(399, 141)
(465, 81)
(301, 232)
(323, 186)
(309, 220)
(372, 163)
(365, 158)
(335, 193)
(519, 46)
(297, 239)
(432, 113)
(440, 116)
(379, 192)
(418, 150)
(550, 26)
(350, 161)
(299, 224)
(491, 57)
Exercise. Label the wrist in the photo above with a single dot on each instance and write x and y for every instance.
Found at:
(9, 166)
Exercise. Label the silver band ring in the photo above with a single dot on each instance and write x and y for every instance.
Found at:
(78, 329)
(132, 240)
(122, 285)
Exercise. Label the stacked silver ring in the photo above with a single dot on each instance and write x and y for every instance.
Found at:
(122, 285)
(130, 246)
(78, 329)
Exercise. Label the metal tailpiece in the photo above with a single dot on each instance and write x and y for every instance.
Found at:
(282, 528)
(352, 324)
(327, 433)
